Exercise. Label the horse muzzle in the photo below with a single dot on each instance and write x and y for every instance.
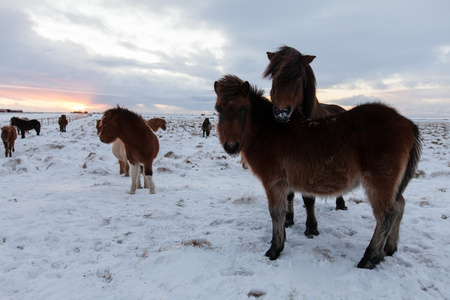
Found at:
(282, 115)
(232, 148)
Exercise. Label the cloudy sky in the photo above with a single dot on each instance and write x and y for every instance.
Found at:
(163, 56)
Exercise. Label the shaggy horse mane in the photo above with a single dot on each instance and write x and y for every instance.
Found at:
(121, 112)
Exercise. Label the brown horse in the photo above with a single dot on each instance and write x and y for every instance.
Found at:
(62, 121)
(9, 136)
(206, 127)
(371, 144)
(118, 149)
(141, 143)
(156, 123)
(294, 89)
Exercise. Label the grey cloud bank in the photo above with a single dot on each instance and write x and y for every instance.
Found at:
(164, 57)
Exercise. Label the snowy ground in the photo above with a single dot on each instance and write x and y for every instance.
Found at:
(69, 230)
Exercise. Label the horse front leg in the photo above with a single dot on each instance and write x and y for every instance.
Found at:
(278, 208)
(385, 237)
(134, 172)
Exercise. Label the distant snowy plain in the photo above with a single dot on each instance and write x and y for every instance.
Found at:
(69, 230)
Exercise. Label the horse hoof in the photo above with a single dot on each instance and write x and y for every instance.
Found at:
(338, 207)
(390, 251)
(152, 192)
(273, 254)
(310, 233)
(131, 192)
(288, 223)
(369, 263)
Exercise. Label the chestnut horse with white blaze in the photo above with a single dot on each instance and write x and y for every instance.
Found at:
(141, 143)
(371, 145)
(9, 136)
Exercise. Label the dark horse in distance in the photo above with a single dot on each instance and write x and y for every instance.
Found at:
(371, 145)
(23, 125)
(62, 121)
(206, 127)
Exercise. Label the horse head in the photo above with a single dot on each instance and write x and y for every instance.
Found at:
(13, 121)
(107, 128)
(233, 107)
(293, 83)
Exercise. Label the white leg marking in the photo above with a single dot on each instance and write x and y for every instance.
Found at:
(134, 173)
(151, 184)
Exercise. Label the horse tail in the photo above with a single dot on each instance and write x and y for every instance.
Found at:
(414, 156)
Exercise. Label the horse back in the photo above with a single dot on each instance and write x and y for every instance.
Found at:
(334, 152)
(144, 148)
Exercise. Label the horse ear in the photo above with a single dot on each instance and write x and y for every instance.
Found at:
(270, 55)
(245, 89)
(307, 59)
(216, 87)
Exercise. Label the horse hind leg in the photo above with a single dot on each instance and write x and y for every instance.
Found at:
(385, 228)
(148, 178)
(138, 179)
(151, 184)
(290, 213)
(392, 240)
(134, 172)
(311, 222)
(121, 167)
(340, 203)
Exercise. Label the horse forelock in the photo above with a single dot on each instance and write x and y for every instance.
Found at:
(230, 88)
(284, 65)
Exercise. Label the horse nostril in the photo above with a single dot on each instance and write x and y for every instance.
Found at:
(287, 110)
(231, 148)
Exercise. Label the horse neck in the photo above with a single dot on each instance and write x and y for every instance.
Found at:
(317, 111)
(261, 117)
(134, 128)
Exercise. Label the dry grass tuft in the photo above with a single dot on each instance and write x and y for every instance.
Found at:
(200, 243)
(256, 294)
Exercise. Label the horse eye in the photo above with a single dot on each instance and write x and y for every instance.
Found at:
(244, 110)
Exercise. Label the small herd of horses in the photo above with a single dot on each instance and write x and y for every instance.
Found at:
(9, 134)
(292, 143)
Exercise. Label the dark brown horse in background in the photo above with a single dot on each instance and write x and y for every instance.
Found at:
(141, 143)
(9, 136)
(370, 145)
(62, 122)
(206, 127)
(294, 90)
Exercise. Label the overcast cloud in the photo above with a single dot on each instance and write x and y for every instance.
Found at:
(164, 56)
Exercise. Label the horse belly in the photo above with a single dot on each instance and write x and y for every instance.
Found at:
(326, 181)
